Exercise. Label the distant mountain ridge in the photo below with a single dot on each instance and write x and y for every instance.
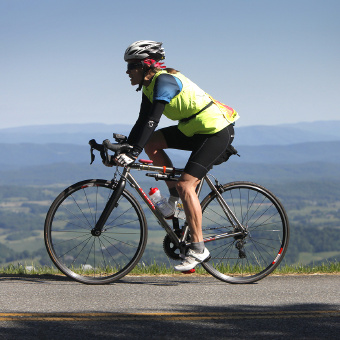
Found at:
(41, 154)
(80, 134)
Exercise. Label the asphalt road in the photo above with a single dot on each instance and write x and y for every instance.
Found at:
(179, 307)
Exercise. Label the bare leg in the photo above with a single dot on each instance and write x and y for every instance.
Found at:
(186, 187)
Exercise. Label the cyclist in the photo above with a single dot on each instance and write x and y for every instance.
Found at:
(205, 127)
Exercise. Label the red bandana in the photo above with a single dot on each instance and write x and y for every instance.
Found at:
(154, 63)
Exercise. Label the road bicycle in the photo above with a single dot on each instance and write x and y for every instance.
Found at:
(96, 231)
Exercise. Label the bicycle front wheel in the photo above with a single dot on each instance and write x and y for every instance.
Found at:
(255, 254)
(88, 258)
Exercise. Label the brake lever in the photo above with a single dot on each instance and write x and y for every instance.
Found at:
(93, 157)
(107, 155)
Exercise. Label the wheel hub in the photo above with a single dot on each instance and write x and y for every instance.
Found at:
(243, 235)
(96, 232)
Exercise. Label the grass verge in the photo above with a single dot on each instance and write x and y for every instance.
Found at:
(162, 269)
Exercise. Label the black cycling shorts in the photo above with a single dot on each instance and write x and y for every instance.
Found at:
(206, 149)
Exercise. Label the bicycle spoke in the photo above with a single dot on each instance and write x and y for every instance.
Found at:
(82, 253)
(250, 254)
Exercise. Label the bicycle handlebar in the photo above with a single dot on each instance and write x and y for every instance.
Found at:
(96, 146)
(117, 148)
(109, 160)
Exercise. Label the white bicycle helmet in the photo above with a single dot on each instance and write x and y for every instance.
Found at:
(143, 49)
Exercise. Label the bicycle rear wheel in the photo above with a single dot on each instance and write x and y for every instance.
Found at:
(93, 259)
(250, 257)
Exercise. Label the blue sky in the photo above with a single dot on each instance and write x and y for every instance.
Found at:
(273, 61)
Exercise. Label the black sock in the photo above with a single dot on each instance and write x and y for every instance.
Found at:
(198, 247)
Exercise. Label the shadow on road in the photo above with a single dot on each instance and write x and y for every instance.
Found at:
(135, 280)
(34, 277)
(157, 280)
(300, 321)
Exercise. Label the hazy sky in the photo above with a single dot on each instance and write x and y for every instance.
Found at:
(61, 61)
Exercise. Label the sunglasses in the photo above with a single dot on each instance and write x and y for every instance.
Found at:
(133, 66)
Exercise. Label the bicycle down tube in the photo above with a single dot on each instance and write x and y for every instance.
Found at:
(127, 177)
(151, 206)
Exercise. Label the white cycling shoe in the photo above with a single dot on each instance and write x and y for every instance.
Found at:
(192, 259)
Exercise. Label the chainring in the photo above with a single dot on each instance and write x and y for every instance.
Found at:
(170, 249)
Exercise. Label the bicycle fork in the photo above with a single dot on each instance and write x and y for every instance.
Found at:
(110, 205)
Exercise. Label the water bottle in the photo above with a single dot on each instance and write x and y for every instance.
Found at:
(161, 203)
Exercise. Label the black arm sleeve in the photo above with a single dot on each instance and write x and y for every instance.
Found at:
(149, 116)
(145, 108)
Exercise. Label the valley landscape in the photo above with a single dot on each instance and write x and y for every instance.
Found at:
(299, 163)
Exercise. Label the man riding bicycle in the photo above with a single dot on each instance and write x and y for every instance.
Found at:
(205, 127)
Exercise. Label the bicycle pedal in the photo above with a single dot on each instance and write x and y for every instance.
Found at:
(189, 271)
(207, 259)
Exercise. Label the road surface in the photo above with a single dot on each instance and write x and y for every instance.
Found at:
(165, 307)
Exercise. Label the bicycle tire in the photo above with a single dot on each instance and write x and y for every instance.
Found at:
(93, 259)
(248, 258)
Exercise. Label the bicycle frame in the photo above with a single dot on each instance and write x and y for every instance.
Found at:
(246, 225)
(178, 241)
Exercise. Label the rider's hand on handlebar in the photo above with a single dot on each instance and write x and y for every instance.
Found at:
(125, 159)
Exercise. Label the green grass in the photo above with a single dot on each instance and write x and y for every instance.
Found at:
(323, 268)
(162, 269)
(25, 269)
